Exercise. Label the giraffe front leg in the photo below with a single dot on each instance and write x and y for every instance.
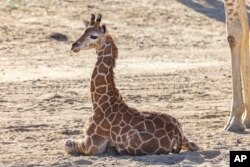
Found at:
(235, 120)
(235, 39)
(88, 146)
(237, 27)
(71, 147)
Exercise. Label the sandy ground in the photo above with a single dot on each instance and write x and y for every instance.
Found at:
(174, 58)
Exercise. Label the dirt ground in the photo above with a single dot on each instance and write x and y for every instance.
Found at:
(174, 58)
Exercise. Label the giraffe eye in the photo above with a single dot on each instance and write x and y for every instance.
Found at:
(93, 37)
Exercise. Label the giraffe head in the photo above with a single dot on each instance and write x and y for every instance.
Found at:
(93, 35)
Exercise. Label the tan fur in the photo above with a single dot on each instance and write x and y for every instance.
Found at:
(238, 39)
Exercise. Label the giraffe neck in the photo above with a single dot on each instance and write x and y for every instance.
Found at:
(103, 87)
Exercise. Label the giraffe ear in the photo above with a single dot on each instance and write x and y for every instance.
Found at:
(86, 23)
(104, 29)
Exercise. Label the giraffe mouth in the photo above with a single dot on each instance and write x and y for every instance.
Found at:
(75, 50)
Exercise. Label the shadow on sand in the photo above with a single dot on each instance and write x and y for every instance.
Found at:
(211, 8)
(190, 158)
(193, 158)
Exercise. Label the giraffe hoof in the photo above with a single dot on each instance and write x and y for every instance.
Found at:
(235, 127)
(70, 147)
(247, 123)
(194, 147)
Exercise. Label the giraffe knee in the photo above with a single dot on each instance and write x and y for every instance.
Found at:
(231, 40)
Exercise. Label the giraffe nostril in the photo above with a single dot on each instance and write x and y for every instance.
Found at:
(75, 47)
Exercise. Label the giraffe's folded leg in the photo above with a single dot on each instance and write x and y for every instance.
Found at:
(88, 146)
(70, 146)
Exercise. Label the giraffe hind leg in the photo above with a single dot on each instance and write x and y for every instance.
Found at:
(189, 146)
(111, 149)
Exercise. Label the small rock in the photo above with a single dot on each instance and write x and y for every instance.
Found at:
(209, 135)
(238, 141)
(218, 143)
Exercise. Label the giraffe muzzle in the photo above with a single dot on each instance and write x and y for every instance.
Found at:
(75, 47)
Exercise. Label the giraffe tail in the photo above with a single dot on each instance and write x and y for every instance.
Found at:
(178, 145)
(189, 146)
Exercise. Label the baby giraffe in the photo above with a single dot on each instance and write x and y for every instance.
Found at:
(113, 122)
